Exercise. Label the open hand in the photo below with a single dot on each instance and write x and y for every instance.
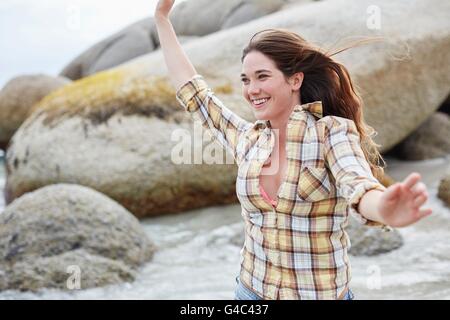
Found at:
(400, 203)
(163, 8)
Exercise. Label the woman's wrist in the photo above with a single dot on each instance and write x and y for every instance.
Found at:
(369, 206)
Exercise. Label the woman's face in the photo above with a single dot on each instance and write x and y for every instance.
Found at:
(269, 93)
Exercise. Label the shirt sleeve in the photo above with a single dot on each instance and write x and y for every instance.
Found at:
(349, 166)
(224, 125)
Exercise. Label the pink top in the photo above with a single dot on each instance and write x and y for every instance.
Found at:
(266, 196)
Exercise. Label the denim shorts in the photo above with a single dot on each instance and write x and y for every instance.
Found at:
(244, 293)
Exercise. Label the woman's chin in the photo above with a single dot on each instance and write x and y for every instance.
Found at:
(260, 115)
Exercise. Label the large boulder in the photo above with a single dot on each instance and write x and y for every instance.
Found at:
(114, 131)
(17, 98)
(48, 235)
(430, 140)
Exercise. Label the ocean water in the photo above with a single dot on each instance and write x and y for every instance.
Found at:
(197, 260)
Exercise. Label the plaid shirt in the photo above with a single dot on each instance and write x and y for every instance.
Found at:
(298, 248)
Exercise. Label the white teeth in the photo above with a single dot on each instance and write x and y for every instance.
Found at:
(259, 101)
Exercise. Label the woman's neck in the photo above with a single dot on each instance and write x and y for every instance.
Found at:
(279, 126)
(279, 129)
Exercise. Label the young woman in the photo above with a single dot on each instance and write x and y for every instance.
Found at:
(303, 166)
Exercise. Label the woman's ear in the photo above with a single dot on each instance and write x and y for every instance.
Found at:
(296, 80)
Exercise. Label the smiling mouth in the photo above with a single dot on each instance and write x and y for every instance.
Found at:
(259, 103)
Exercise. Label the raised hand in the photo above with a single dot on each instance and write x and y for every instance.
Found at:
(163, 8)
(400, 205)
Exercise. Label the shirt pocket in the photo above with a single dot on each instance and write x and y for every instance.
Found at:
(314, 184)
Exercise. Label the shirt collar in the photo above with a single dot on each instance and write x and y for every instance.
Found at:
(315, 108)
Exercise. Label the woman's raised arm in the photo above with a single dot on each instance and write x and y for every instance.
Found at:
(180, 68)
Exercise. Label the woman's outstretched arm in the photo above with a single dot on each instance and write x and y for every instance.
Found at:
(398, 206)
(370, 202)
(180, 68)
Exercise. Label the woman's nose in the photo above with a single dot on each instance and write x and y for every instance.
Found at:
(253, 90)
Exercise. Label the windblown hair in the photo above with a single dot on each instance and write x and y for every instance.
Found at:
(324, 79)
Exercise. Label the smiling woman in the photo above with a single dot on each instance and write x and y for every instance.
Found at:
(265, 87)
(323, 162)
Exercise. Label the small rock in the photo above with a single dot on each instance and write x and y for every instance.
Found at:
(368, 241)
(444, 189)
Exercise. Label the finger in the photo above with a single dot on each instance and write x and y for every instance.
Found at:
(425, 213)
(411, 180)
(420, 200)
(418, 189)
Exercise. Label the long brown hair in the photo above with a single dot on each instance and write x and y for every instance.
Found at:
(324, 79)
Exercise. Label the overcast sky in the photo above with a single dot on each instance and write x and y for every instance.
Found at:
(43, 36)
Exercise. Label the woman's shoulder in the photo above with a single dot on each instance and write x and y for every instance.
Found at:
(332, 122)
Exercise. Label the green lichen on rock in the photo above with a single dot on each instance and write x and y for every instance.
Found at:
(104, 94)
(224, 89)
